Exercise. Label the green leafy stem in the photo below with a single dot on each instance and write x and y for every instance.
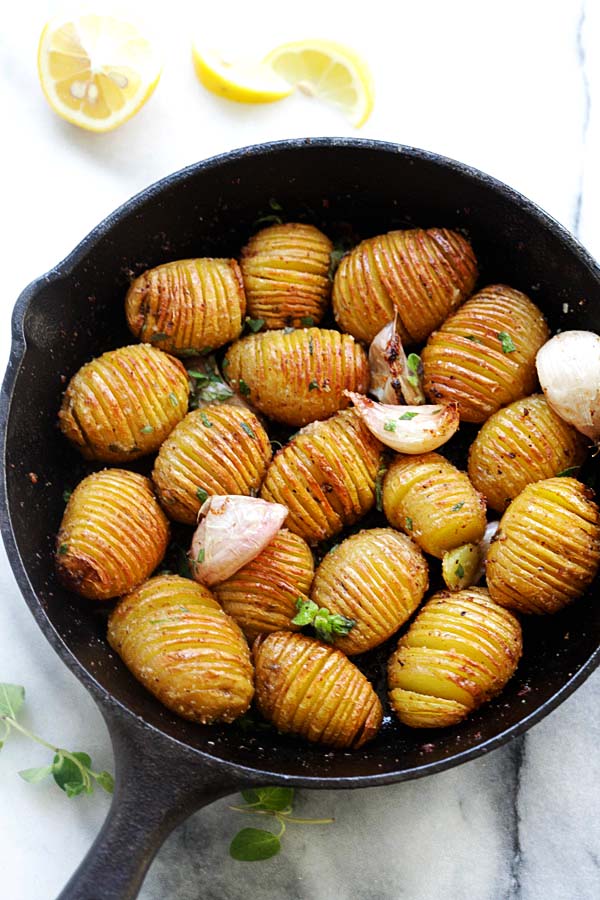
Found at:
(327, 625)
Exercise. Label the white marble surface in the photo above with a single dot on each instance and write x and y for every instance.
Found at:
(511, 87)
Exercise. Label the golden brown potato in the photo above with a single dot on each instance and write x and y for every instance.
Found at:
(215, 450)
(299, 376)
(286, 274)
(547, 549)
(325, 476)
(377, 578)
(112, 536)
(123, 404)
(520, 444)
(458, 653)
(262, 595)
(429, 499)
(421, 275)
(188, 306)
(313, 690)
(175, 638)
(483, 356)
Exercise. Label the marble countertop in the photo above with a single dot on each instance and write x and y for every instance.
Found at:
(512, 88)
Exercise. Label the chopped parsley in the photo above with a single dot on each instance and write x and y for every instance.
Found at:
(408, 415)
(205, 420)
(64, 548)
(506, 341)
(201, 494)
(201, 554)
(389, 426)
(173, 399)
(248, 430)
(409, 523)
(243, 388)
(459, 571)
(313, 386)
(307, 321)
(147, 429)
(254, 325)
(458, 506)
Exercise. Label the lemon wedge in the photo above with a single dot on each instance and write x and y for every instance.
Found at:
(328, 71)
(96, 71)
(242, 80)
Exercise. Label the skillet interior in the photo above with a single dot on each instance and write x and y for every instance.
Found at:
(76, 312)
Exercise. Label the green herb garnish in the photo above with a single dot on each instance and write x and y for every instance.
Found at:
(415, 369)
(379, 485)
(472, 337)
(389, 426)
(67, 496)
(568, 473)
(205, 420)
(247, 429)
(243, 388)
(147, 429)
(201, 554)
(313, 386)
(459, 571)
(457, 506)
(254, 324)
(326, 625)
(506, 341)
(158, 336)
(173, 399)
(307, 321)
(409, 523)
(64, 548)
(275, 205)
(202, 495)
(408, 415)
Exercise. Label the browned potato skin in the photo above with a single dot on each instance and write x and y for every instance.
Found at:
(229, 455)
(420, 275)
(112, 536)
(286, 274)
(547, 549)
(187, 306)
(464, 360)
(177, 641)
(262, 595)
(311, 689)
(433, 502)
(123, 404)
(519, 445)
(377, 578)
(458, 653)
(325, 476)
(298, 377)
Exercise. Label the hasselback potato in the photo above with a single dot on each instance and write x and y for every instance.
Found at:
(187, 306)
(377, 578)
(299, 376)
(459, 652)
(520, 444)
(286, 274)
(325, 476)
(429, 499)
(123, 404)
(421, 274)
(483, 356)
(175, 638)
(112, 536)
(313, 690)
(547, 549)
(219, 449)
(262, 595)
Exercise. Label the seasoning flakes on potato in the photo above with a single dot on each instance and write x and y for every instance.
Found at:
(299, 376)
(124, 404)
(187, 306)
(458, 653)
(313, 690)
(112, 536)
(423, 275)
(175, 638)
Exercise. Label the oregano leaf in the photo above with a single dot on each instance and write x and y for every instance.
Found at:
(252, 844)
(33, 776)
(12, 698)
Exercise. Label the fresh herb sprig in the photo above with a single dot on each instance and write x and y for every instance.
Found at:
(327, 625)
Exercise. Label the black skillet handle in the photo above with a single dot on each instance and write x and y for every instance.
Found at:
(158, 785)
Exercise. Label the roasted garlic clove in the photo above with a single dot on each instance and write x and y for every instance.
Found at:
(215, 450)
(325, 476)
(286, 275)
(188, 306)
(458, 653)
(483, 356)
(519, 445)
(177, 641)
(395, 377)
(112, 536)
(568, 366)
(299, 376)
(431, 501)
(408, 429)
(313, 690)
(423, 275)
(377, 578)
(461, 566)
(547, 549)
(124, 404)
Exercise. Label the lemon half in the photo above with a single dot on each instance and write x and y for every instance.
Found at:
(245, 81)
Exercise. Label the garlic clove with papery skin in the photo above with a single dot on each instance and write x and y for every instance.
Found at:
(395, 378)
(232, 531)
(464, 566)
(408, 429)
(568, 367)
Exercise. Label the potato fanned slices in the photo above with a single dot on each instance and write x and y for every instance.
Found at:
(188, 306)
(299, 376)
(313, 690)
(175, 638)
(458, 653)
(422, 274)
(377, 578)
(483, 356)
(124, 404)
(286, 275)
(325, 476)
(112, 536)
(547, 549)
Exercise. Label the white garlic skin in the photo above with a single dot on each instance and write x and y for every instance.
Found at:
(568, 367)
(408, 429)
(391, 381)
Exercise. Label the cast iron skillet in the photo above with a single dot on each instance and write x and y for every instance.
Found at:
(166, 767)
